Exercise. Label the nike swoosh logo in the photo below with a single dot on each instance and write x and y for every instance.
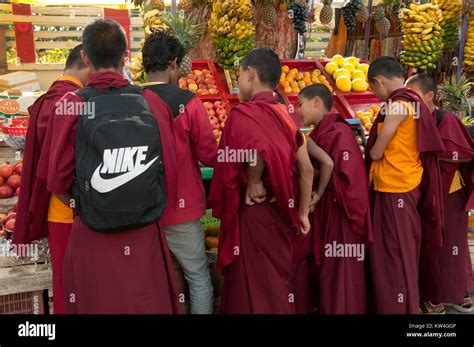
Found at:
(107, 185)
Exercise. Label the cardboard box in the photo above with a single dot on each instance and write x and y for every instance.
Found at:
(20, 80)
(11, 106)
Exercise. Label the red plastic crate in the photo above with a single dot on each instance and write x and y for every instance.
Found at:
(358, 102)
(23, 303)
(201, 64)
(21, 121)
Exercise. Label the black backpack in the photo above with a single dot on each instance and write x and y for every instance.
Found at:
(119, 180)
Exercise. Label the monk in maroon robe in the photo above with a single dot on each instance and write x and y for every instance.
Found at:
(121, 272)
(262, 199)
(402, 159)
(342, 229)
(442, 270)
(39, 214)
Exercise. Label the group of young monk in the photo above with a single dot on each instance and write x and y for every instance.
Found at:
(309, 225)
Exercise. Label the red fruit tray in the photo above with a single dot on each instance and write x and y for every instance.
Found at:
(23, 303)
(205, 64)
(354, 102)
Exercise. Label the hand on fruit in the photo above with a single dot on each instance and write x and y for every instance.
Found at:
(315, 197)
(255, 193)
(305, 224)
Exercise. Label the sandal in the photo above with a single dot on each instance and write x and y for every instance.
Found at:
(465, 307)
(427, 307)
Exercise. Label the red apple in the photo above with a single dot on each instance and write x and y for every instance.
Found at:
(208, 105)
(206, 72)
(193, 87)
(10, 215)
(210, 81)
(222, 118)
(198, 72)
(2, 180)
(217, 132)
(211, 86)
(213, 91)
(192, 76)
(211, 112)
(6, 192)
(202, 86)
(221, 110)
(213, 119)
(222, 125)
(218, 104)
(190, 81)
(6, 170)
(182, 80)
(14, 181)
(215, 125)
(18, 168)
(10, 225)
(203, 92)
(201, 80)
(17, 192)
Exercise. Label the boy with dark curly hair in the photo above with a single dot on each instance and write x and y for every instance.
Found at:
(195, 142)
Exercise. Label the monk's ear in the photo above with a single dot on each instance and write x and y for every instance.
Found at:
(86, 60)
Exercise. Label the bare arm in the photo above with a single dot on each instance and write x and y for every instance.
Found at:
(390, 126)
(256, 192)
(306, 175)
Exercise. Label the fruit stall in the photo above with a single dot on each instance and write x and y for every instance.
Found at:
(36, 38)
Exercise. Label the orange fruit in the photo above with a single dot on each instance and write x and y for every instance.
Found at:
(288, 90)
(212, 231)
(316, 72)
(290, 78)
(212, 242)
(285, 84)
(314, 79)
(295, 71)
(295, 90)
(299, 76)
(294, 84)
(285, 68)
(322, 79)
(307, 79)
(368, 126)
(366, 120)
(306, 74)
(301, 84)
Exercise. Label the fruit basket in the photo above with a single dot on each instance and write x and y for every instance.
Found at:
(364, 107)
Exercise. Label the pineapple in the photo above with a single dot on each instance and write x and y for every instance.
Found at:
(382, 23)
(158, 5)
(269, 12)
(325, 16)
(363, 15)
(187, 31)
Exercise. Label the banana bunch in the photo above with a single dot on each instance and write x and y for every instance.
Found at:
(152, 22)
(451, 10)
(232, 19)
(422, 35)
(231, 51)
(232, 31)
(136, 68)
(468, 61)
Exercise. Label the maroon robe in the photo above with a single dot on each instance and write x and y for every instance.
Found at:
(343, 217)
(401, 220)
(443, 277)
(256, 249)
(31, 222)
(122, 272)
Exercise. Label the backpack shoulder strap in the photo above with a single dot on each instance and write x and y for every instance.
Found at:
(175, 97)
(90, 92)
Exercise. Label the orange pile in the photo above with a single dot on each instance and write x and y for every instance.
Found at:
(293, 81)
(368, 116)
